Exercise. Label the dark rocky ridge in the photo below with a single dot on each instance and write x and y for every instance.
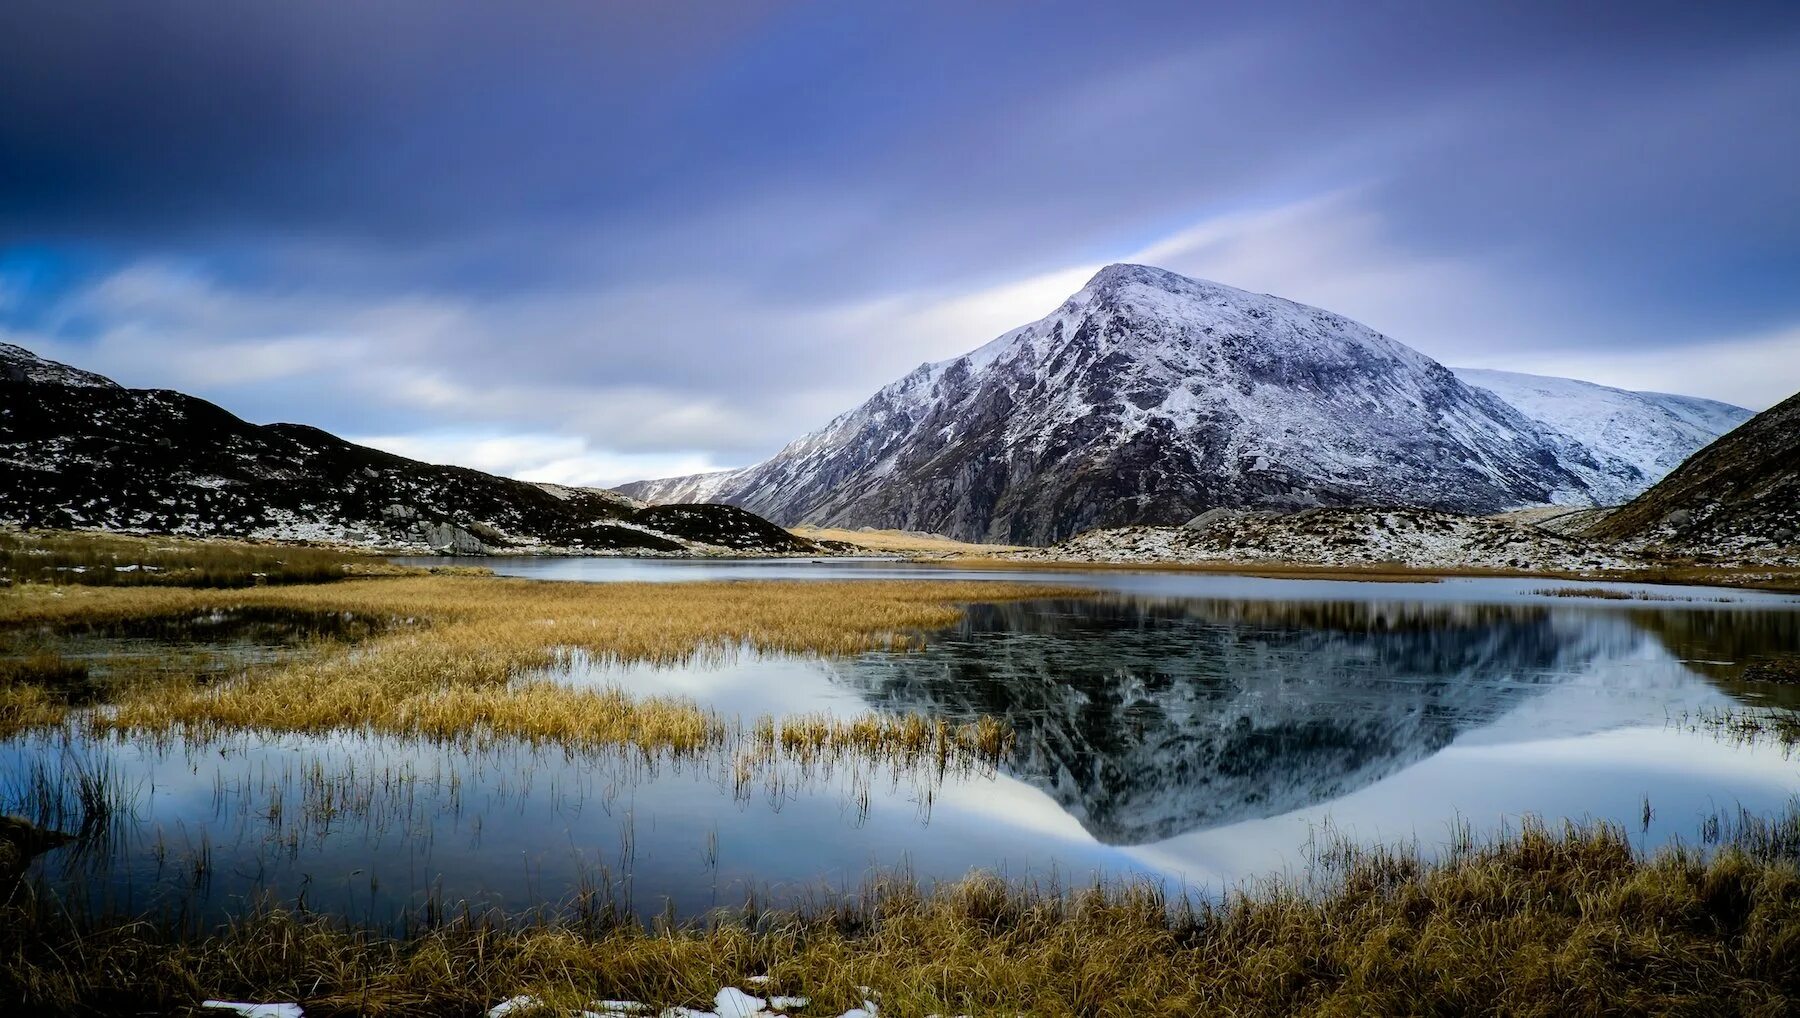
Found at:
(78, 450)
(1739, 495)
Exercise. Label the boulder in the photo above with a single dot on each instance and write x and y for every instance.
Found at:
(450, 539)
(489, 534)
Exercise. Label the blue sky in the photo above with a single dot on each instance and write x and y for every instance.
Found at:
(590, 242)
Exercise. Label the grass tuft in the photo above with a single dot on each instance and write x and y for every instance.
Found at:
(1743, 726)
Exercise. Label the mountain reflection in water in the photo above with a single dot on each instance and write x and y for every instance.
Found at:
(1150, 718)
(1194, 739)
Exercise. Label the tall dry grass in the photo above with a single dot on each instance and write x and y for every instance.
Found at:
(464, 666)
(1550, 922)
(119, 560)
(902, 542)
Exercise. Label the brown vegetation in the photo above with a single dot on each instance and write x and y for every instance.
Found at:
(472, 663)
(116, 560)
(901, 541)
(1545, 922)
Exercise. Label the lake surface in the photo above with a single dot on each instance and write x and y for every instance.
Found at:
(1198, 729)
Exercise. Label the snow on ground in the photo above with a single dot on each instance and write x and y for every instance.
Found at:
(1415, 538)
(729, 1002)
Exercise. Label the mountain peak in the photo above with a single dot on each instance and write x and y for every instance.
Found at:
(1121, 272)
(1123, 276)
(1126, 273)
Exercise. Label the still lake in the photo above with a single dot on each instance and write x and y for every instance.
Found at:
(1194, 728)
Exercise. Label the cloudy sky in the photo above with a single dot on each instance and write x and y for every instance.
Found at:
(590, 241)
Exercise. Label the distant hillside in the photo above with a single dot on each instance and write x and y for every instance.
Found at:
(1634, 438)
(79, 450)
(1739, 495)
(1148, 398)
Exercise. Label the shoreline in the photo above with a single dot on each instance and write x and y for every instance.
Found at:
(1779, 579)
(1523, 922)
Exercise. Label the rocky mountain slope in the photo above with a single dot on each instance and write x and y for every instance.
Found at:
(1147, 398)
(78, 450)
(1739, 496)
(1345, 536)
(1636, 437)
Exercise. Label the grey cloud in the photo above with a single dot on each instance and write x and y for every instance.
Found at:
(677, 227)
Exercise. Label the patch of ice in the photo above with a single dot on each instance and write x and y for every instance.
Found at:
(255, 1010)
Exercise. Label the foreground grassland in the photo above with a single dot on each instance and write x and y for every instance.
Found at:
(458, 660)
(1546, 922)
(1564, 921)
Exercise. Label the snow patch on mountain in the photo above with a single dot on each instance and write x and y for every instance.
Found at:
(1636, 438)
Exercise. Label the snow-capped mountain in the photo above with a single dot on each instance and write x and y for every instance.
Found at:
(79, 450)
(1636, 437)
(1149, 397)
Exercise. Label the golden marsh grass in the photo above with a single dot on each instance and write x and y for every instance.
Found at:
(461, 666)
(901, 542)
(93, 559)
(1546, 921)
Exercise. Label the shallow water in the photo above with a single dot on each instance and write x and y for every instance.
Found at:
(1199, 729)
(203, 645)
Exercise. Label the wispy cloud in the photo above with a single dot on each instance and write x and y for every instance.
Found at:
(558, 459)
